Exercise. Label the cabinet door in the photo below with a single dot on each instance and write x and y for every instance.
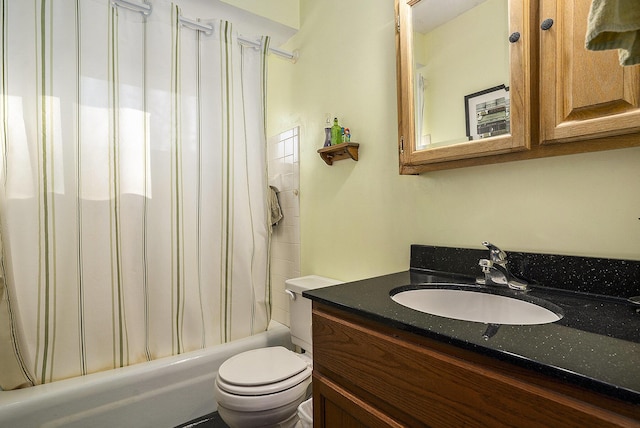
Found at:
(335, 407)
(584, 94)
(450, 76)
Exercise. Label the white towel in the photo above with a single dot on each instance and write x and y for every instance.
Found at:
(275, 212)
(615, 24)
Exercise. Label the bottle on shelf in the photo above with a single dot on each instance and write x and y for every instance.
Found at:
(336, 133)
(327, 131)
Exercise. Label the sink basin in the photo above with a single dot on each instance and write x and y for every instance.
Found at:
(468, 305)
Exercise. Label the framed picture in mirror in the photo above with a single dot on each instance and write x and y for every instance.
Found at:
(487, 113)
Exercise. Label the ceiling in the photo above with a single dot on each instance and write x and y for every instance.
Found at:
(429, 14)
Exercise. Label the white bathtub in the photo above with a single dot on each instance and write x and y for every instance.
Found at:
(161, 393)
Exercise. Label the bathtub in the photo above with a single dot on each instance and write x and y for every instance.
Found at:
(161, 393)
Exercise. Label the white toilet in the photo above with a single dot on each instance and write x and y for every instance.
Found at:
(263, 387)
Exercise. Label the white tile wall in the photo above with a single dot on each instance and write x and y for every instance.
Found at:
(284, 174)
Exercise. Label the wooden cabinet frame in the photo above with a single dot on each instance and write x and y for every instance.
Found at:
(585, 94)
(553, 100)
(518, 139)
(369, 375)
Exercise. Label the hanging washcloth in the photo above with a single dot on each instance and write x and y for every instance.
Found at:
(275, 213)
(615, 24)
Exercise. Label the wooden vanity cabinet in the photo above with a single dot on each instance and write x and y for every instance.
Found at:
(369, 375)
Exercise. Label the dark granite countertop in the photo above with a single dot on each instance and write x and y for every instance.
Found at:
(596, 344)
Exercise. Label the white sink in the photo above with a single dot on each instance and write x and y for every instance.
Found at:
(475, 306)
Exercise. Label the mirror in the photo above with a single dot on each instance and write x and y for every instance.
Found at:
(456, 75)
(447, 72)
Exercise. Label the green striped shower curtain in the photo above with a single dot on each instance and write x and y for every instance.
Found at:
(133, 209)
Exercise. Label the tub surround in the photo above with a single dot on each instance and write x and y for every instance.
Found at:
(595, 345)
(161, 393)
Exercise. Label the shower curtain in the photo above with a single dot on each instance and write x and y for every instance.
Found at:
(133, 210)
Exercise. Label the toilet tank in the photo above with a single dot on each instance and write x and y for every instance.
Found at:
(300, 307)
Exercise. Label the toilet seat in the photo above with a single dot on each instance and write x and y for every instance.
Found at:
(268, 379)
(290, 397)
(262, 371)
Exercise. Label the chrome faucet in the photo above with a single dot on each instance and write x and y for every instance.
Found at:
(496, 272)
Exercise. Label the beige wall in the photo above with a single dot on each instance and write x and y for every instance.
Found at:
(359, 218)
(284, 11)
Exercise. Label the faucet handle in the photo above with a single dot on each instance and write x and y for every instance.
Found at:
(495, 253)
(485, 264)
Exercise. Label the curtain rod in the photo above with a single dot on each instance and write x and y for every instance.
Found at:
(195, 25)
(146, 9)
(291, 56)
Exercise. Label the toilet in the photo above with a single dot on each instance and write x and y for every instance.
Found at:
(264, 387)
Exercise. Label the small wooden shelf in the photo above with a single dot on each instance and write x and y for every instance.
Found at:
(339, 151)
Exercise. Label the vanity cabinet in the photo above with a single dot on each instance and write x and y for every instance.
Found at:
(367, 374)
(564, 99)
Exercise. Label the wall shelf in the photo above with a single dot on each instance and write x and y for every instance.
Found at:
(339, 151)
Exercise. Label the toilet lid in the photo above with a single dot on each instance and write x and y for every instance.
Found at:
(261, 367)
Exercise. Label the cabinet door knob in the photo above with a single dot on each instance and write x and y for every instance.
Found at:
(546, 24)
(514, 37)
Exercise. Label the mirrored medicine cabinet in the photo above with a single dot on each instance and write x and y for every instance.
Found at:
(472, 83)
